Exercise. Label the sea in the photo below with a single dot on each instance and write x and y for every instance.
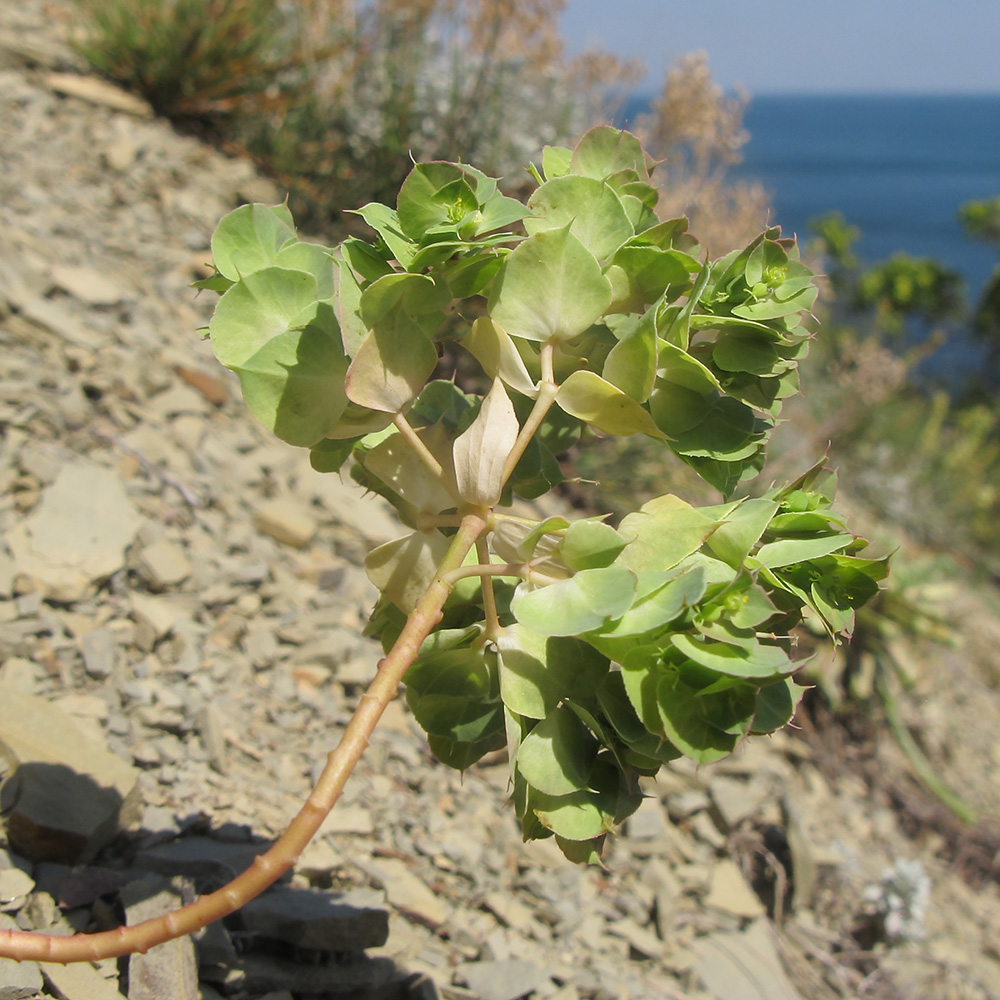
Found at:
(897, 167)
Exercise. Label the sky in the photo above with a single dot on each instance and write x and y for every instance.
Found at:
(804, 46)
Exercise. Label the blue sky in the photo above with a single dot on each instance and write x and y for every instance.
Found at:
(800, 46)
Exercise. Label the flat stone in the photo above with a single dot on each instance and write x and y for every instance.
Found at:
(78, 533)
(93, 90)
(170, 970)
(65, 795)
(15, 885)
(57, 319)
(286, 521)
(164, 564)
(158, 614)
(335, 922)
(502, 980)
(743, 965)
(80, 980)
(18, 980)
(406, 892)
(100, 652)
(348, 819)
(728, 891)
(736, 799)
(88, 285)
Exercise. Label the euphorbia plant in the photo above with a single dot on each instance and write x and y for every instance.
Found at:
(594, 653)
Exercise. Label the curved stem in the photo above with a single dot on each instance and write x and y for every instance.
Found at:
(543, 403)
(270, 865)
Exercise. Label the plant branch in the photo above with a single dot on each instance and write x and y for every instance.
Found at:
(484, 570)
(543, 403)
(489, 598)
(424, 454)
(270, 865)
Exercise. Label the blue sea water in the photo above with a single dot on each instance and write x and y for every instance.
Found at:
(898, 167)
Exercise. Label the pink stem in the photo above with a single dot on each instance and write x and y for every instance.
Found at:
(270, 865)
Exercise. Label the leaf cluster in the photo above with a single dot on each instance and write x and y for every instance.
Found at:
(593, 653)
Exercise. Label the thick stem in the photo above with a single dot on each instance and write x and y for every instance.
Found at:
(270, 865)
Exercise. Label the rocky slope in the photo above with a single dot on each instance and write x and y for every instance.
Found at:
(181, 615)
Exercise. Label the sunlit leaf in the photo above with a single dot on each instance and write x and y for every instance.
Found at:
(549, 288)
(591, 209)
(597, 402)
(403, 569)
(662, 532)
(248, 239)
(537, 672)
(581, 603)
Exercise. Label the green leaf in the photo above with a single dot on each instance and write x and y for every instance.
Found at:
(740, 351)
(453, 694)
(556, 756)
(549, 288)
(741, 530)
(590, 545)
(604, 151)
(472, 275)
(631, 364)
(678, 368)
(416, 295)
(463, 755)
(685, 722)
(786, 551)
(761, 663)
(556, 161)
(386, 223)
(391, 366)
(651, 270)
(432, 195)
(249, 238)
(590, 398)
(662, 533)
(404, 568)
(328, 455)
(591, 209)
(398, 466)
(641, 673)
(537, 672)
(495, 351)
(294, 385)
(650, 614)
(263, 305)
(776, 704)
(499, 212)
(579, 604)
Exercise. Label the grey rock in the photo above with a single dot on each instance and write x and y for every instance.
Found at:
(355, 975)
(744, 965)
(502, 980)
(200, 858)
(65, 795)
(100, 650)
(324, 921)
(77, 534)
(169, 971)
